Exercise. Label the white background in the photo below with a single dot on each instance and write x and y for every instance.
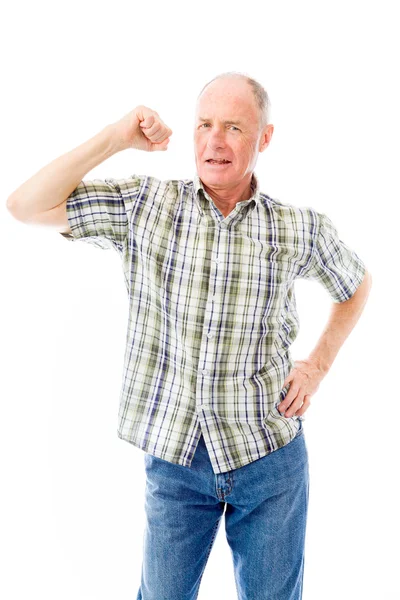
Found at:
(72, 505)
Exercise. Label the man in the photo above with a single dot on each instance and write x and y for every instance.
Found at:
(210, 392)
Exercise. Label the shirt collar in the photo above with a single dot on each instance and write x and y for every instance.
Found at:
(199, 198)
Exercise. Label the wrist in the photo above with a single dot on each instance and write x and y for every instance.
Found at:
(115, 142)
(322, 365)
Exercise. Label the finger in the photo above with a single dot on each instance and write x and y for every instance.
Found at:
(288, 379)
(296, 405)
(147, 122)
(167, 133)
(154, 130)
(290, 396)
(303, 408)
(159, 136)
(164, 132)
(160, 146)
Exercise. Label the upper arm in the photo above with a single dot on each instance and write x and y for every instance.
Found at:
(334, 264)
(99, 211)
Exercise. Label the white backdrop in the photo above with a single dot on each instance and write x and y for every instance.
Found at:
(72, 505)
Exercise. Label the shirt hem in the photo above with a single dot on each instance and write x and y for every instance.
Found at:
(163, 456)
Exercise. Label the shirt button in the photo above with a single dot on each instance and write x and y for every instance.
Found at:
(223, 225)
(209, 335)
(205, 372)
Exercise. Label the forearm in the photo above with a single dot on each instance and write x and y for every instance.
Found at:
(342, 320)
(53, 184)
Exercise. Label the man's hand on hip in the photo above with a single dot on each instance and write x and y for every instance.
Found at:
(304, 380)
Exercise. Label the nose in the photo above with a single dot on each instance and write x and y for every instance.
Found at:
(216, 138)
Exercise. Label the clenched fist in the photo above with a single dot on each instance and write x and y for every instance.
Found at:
(143, 129)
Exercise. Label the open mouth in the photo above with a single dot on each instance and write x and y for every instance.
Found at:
(218, 163)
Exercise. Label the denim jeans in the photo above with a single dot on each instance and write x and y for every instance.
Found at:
(265, 506)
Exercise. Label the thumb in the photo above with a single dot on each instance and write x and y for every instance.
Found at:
(148, 122)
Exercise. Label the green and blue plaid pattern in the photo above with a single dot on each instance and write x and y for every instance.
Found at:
(212, 310)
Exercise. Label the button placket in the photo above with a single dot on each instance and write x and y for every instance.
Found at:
(214, 314)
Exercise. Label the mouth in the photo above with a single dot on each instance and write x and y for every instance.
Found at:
(218, 163)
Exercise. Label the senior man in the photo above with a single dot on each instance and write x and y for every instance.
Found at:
(210, 392)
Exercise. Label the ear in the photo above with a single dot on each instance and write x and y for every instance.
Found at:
(265, 138)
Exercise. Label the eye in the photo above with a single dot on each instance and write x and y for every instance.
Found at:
(234, 127)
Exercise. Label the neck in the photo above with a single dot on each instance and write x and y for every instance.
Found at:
(226, 198)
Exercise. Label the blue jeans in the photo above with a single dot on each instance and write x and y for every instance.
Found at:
(265, 504)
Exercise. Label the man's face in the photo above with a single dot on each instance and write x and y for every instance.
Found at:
(227, 127)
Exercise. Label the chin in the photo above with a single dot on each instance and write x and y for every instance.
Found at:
(214, 178)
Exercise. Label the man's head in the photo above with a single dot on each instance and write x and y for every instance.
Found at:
(232, 123)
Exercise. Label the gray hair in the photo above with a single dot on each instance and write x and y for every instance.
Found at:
(260, 94)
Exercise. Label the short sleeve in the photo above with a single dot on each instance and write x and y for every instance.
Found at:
(334, 264)
(99, 210)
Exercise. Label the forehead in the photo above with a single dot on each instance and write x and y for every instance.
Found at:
(230, 99)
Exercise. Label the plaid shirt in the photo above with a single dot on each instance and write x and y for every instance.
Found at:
(212, 310)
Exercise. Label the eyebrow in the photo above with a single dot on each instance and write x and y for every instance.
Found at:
(224, 122)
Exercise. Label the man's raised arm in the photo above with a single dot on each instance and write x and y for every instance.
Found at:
(141, 128)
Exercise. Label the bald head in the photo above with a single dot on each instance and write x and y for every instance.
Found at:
(239, 81)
